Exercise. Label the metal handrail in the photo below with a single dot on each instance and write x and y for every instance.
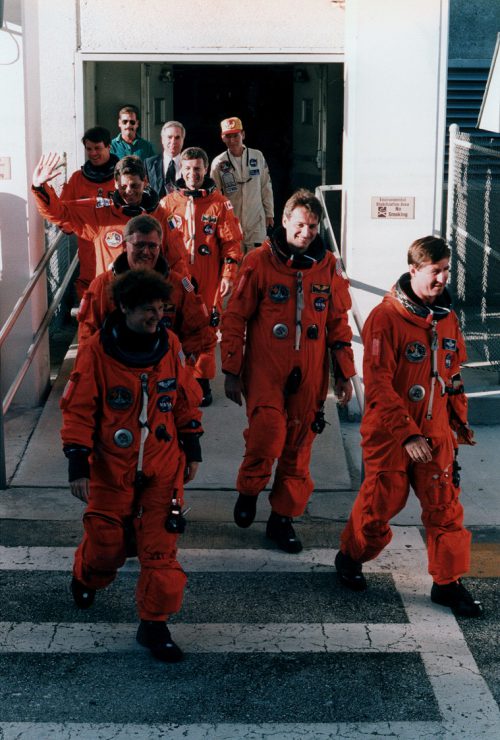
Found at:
(23, 298)
(32, 349)
(39, 335)
(356, 313)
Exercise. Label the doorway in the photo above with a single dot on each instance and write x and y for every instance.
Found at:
(292, 112)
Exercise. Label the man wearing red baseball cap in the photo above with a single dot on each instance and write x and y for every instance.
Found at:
(242, 175)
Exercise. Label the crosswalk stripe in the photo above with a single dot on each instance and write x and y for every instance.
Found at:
(223, 560)
(48, 637)
(464, 699)
(222, 731)
(462, 694)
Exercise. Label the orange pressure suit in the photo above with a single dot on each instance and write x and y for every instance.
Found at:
(185, 313)
(412, 356)
(293, 310)
(212, 236)
(109, 406)
(89, 182)
(102, 220)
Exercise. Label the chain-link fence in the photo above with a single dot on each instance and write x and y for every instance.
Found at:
(473, 232)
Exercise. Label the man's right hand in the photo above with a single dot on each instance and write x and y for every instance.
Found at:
(46, 169)
(418, 449)
(80, 488)
(232, 388)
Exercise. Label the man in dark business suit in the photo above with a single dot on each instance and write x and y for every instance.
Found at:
(164, 169)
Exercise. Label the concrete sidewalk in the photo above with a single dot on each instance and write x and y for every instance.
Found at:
(38, 473)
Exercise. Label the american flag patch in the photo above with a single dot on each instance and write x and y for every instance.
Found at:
(228, 205)
(69, 389)
(376, 347)
(242, 282)
(182, 358)
(338, 268)
(187, 284)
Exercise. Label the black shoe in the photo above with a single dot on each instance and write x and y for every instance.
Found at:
(456, 596)
(156, 637)
(349, 572)
(82, 595)
(280, 530)
(244, 510)
(207, 392)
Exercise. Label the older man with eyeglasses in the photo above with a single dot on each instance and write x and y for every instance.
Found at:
(184, 313)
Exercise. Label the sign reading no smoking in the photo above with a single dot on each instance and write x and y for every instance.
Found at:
(396, 207)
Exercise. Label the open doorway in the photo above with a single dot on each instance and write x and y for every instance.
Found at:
(292, 112)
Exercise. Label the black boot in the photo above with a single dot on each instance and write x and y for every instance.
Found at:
(456, 596)
(206, 390)
(244, 510)
(156, 636)
(349, 572)
(82, 595)
(280, 530)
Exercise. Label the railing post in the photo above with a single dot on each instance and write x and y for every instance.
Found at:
(3, 469)
(452, 156)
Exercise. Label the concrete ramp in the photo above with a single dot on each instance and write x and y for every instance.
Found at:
(43, 464)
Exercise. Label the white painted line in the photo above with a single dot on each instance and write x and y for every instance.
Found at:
(465, 701)
(70, 637)
(275, 731)
(405, 542)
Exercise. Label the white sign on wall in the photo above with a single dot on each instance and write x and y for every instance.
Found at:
(396, 207)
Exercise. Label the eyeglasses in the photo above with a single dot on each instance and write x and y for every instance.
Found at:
(129, 120)
(141, 246)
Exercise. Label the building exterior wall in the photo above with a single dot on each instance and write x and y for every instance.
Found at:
(393, 133)
(21, 233)
(255, 26)
(394, 52)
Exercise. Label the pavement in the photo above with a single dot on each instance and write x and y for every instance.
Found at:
(275, 647)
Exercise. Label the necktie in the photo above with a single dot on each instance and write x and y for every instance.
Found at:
(170, 175)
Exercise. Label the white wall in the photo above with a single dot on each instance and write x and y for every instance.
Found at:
(394, 102)
(211, 25)
(21, 246)
(395, 71)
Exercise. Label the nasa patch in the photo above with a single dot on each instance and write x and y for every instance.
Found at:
(448, 361)
(320, 304)
(164, 403)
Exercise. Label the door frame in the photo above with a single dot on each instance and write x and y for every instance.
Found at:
(84, 87)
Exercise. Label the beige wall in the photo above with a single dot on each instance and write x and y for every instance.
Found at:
(394, 101)
(211, 25)
(393, 132)
(21, 236)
